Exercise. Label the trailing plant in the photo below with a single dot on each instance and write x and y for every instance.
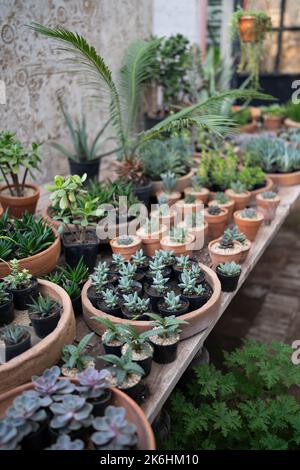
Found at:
(70, 414)
(122, 367)
(172, 301)
(231, 268)
(12, 334)
(43, 306)
(73, 356)
(113, 431)
(93, 383)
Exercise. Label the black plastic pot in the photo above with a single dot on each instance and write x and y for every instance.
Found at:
(87, 250)
(154, 298)
(43, 326)
(23, 297)
(99, 404)
(195, 301)
(144, 363)
(137, 287)
(178, 271)
(77, 306)
(7, 311)
(164, 354)
(166, 272)
(14, 350)
(228, 283)
(129, 316)
(116, 311)
(166, 313)
(143, 193)
(150, 122)
(39, 439)
(91, 168)
(134, 392)
(110, 349)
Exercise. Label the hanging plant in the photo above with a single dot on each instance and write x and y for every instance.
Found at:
(251, 27)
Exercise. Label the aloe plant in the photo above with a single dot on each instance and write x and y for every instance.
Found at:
(166, 326)
(43, 306)
(122, 367)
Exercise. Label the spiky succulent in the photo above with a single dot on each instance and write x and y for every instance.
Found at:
(221, 198)
(110, 298)
(169, 180)
(122, 367)
(73, 356)
(156, 265)
(125, 285)
(238, 187)
(159, 282)
(128, 270)
(248, 214)
(5, 297)
(124, 240)
(166, 326)
(237, 235)
(189, 199)
(196, 271)
(50, 385)
(118, 260)
(172, 301)
(189, 284)
(42, 306)
(179, 235)
(135, 304)
(230, 268)
(113, 431)
(93, 383)
(137, 341)
(214, 210)
(113, 331)
(227, 240)
(268, 195)
(139, 259)
(70, 414)
(64, 442)
(183, 262)
(12, 334)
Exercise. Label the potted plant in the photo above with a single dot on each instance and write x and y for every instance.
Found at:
(21, 284)
(217, 218)
(126, 245)
(74, 359)
(225, 249)
(164, 215)
(151, 233)
(126, 285)
(245, 243)
(292, 115)
(169, 180)
(141, 349)
(84, 157)
(100, 280)
(6, 305)
(79, 242)
(273, 116)
(248, 222)
(16, 339)
(140, 260)
(183, 263)
(112, 338)
(44, 314)
(196, 294)
(16, 194)
(131, 271)
(158, 265)
(229, 274)
(166, 257)
(222, 200)
(239, 194)
(197, 226)
(94, 386)
(166, 338)
(189, 205)
(197, 189)
(116, 263)
(110, 303)
(178, 241)
(267, 203)
(156, 289)
(244, 119)
(173, 304)
(126, 374)
(134, 307)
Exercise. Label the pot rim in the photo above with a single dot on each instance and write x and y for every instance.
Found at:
(23, 198)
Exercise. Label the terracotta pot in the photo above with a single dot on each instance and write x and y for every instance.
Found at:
(167, 220)
(249, 227)
(240, 200)
(216, 223)
(202, 195)
(134, 413)
(249, 128)
(171, 198)
(197, 320)
(247, 28)
(228, 205)
(218, 258)
(151, 242)
(182, 183)
(200, 234)
(246, 247)
(290, 123)
(18, 205)
(40, 264)
(285, 179)
(185, 209)
(273, 123)
(267, 207)
(178, 248)
(254, 110)
(1, 210)
(126, 250)
(268, 186)
(47, 351)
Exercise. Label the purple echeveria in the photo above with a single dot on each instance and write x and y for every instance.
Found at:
(9, 436)
(49, 384)
(93, 383)
(65, 443)
(71, 414)
(114, 432)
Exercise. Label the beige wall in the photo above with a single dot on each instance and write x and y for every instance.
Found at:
(34, 77)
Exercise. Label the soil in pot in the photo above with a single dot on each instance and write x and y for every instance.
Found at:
(165, 349)
(155, 298)
(7, 311)
(178, 271)
(43, 326)
(143, 358)
(91, 168)
(100, 403)
(114, 347)
(163, 309)
(132, 386)
(96, 297)
(197, 301)
(14, 350)
(75, 249)
(219, 254)
(17, 206)
(126, 250)
(23, 297)
(228, 283)
(115, 311)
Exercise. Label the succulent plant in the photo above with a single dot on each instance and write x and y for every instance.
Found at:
(189, 199)
(137, 341)
(110, 299)
(214, 210)
(156, 265)
(172, 301)
(64, 442)
(169, 180)
(139, 259)
(113, 431)
(221, 198)
(159, 282)
(9, 435)
(227, 240)
(125, 240)
(163, 207)
(122, 367)
(183, 262)
(162, 201)
(166, 326)
(113, 331)
(268, 195)
(197, 183)
(125, 285)
(118, 260)
(12, 334)
(93, 383)
(43, 306)
(248, 214)
(18, 278)
(70, 414)
(196, 271)
(165, 256)
(4, 295)
(238, 187)
(73, 355)
(230, 268)
(135, 304)
(179, 235)
(99, 279)
(237, 235)
(189, 284)
(50, 385)
(151, 226)
(128, 270)
(194, 220)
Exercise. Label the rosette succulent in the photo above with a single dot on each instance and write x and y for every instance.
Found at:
(49, 384)
(71, 414)
(65, 443)
(113, 431)
(93, 383)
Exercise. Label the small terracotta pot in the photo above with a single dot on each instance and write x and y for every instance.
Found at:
(151, 242)
(246, 247)
(202, 195)
(40, 264)
(249, 128)
(167, 220)
(184, 209)
(200, 234)
(171, 198)
(268, 186)
(240, 200)
(273, 123)
(229, 206)
(182, 183)
(267, 207)
(285, 179)
(216, 223)
(18, 205)
(134, 413)
(254, 110)
(126, 250)
(218, 258)
(249, 227)
(178, 248)
(247, 28)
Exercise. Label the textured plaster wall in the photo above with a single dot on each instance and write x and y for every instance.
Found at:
(35, 77)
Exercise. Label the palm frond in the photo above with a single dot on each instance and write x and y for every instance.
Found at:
(97, 75)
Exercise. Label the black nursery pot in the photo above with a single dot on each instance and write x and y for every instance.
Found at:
(87, 250)
(77, 306)
(134, 392)
(166, 313)
(99, 404)
(178, 271)
(143, 193)
(7, 311)
(14, 350)
(166, 272)
(110, 349)
(228, 283)
(195, 301)
(91, 168)
(23, 297)
(154, 298)
(129, 316)
(45, 326)
(116, 311)
(164, 354)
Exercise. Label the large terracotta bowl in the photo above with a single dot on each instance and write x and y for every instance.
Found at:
(40, 264)
(134, 413)
(285, 179)
(197, 320)
(182, 183)
(268, 186)
(48, 350)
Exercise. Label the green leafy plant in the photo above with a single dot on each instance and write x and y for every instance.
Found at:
(12, 334)
(218, 171)
(197, 183)
(221, 198)
(189, 199)
(113, 331)
(166, 327)
(247, 405)
(172, 301)
(274, 110)
(293, 111)
(241, 116)
(43, 306)
(231, 268)
(252, 177)
(137, 341)
(18, 278)
(73, 356)
(122, 367)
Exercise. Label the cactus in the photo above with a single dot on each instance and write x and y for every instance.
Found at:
(230, 268)
(169, 181)
(113, 431)
(214, 210)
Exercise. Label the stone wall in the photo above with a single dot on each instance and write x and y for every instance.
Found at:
(35, 77)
